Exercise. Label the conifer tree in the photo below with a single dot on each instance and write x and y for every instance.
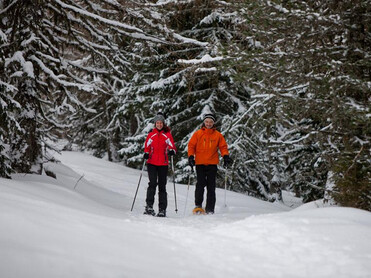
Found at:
(189, 79)
(289, 82)
(104, 130)
(60, 59)
(300, 69)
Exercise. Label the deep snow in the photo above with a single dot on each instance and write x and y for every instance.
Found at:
(49, 229)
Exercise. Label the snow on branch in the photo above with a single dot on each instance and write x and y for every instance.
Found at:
(3, 36)
(163, 82)
(8, 7)
(205, 59)
(8, 86)
(205, 69)
(26, 65)
(97, 17)
(216, 16)
(188, 40)
(85, 87)
(137, 33)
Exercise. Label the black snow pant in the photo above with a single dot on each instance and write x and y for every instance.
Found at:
(206, 176)
(157, 176)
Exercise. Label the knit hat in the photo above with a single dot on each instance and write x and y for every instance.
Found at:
(159, 117)
(209, 116)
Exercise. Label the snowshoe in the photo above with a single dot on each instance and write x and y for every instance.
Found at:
(149, 211)
(161, 213)
(198, 210)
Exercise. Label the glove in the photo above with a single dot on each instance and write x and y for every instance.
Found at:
(191, 161)
(227, 161)
(146, 156)
(171, 152)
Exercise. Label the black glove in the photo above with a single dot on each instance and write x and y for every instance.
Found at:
(146, 156)
(171, 152)
(227, 161)
(191, 161)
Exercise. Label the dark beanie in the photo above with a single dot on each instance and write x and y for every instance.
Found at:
(210, 116)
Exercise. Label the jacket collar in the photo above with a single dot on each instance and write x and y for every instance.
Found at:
(158, 131)
(208, 130)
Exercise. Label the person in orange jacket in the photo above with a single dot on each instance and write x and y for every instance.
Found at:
(203, 153)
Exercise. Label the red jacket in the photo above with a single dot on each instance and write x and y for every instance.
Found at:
(157, 144)
(204, 145)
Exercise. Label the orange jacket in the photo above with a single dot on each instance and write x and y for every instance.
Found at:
(204, 145)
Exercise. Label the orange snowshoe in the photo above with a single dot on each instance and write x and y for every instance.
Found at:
(198, 210)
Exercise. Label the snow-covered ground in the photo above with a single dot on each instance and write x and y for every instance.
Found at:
(82, 227)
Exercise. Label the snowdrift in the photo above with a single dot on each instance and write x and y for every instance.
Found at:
(80, 225)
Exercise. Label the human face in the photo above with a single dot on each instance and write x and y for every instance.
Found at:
(159, 125)
(209, 123)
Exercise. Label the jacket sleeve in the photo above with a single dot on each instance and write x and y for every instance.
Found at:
(223, 147)
(171, 143)
(192, 145)
(147, 144)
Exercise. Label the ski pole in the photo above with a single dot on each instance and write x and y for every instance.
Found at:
(136, 192)
(189, 182)
(172, 166)
(225, 189)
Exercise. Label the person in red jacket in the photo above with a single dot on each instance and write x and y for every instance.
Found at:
(203, 152)
(158, 146)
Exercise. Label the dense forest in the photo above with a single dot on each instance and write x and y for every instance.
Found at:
(288, 80)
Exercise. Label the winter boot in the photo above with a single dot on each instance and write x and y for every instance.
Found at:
(161, 213)
(149, 211)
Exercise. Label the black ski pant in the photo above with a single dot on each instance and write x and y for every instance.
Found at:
(206, 176)
(157, 175)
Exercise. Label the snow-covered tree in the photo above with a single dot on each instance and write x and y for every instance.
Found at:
(288, 80)
(188, 78)
(303, 82)
(127, 53)
(60, 62)
(8, 109)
